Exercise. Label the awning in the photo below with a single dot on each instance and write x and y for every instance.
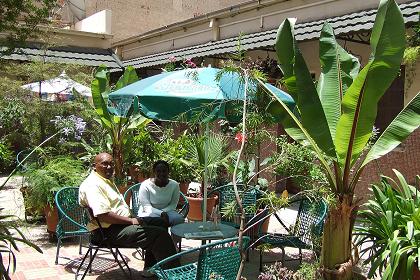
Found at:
(70, 55)
(345, 24)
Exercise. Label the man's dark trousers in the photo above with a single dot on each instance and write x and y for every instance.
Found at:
(154, 239)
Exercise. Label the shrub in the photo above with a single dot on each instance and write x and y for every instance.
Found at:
(44, 181)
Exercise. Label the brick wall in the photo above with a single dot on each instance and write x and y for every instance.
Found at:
(405, 159)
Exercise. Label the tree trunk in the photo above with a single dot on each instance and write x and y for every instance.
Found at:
(336, 260)
(119, 162)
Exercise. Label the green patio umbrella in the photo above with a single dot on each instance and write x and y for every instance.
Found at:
(190, 95)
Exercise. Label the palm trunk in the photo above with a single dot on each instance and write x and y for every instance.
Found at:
(336, 260)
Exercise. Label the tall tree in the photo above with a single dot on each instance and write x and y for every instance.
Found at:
(20, 20)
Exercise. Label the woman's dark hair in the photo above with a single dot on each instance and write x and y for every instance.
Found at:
(159, 162)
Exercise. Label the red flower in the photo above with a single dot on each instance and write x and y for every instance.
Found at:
(240, 137)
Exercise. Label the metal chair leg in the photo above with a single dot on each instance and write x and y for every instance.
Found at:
(115, 255)
(300, 255)
(80, 244)
(283, 255)
(89, 252)
(58, 250)
(125, 263)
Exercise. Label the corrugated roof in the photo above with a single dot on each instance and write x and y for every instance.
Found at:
(74, 55)
(349, 23)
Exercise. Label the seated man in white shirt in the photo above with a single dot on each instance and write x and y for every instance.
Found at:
(99, 193)
(159, 196)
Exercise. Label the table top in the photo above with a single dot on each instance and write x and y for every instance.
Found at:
(203, 231)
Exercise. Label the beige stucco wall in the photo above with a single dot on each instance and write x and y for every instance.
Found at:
(132, 17)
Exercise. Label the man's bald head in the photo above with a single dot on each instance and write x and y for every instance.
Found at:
(104, 165)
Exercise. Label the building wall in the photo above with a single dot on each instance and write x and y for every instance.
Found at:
(133, 17)
(405, 159)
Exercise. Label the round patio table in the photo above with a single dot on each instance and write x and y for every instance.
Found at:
(203, 231)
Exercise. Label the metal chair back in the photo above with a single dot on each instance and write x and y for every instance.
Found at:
(226, 196)
(72, 217)
(310, 220)
(217, 260)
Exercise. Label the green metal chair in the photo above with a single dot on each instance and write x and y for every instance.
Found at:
(72, 219)
(217, 260)
(226, 196)
(303, 234)
(249, 198)
(102, 245)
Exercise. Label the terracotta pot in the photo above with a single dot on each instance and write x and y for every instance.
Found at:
(291, 186)
(183, 187)
(264, 226)
(195, 213)
(51, 216)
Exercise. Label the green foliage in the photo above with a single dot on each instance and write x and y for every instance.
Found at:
(308, 271)
(175, 152)
(44, 181)
(6, 157)
(333, 133)
(20, 20)
(336, 116)
(26, 120)
(217, 155)
(119, 122)
(143, 150)
(299, 163)
(390, 229)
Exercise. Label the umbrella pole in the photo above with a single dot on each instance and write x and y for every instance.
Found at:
(206, 155)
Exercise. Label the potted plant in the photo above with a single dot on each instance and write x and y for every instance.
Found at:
(217, 156)
(390, 229)
(44, 181)
(297, 165)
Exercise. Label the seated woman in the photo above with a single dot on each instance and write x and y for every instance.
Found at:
(158, 196)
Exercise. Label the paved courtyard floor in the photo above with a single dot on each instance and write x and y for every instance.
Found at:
(32, 265)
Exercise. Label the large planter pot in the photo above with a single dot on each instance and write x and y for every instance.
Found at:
(195, 213)
(51, 217)
(183, 187)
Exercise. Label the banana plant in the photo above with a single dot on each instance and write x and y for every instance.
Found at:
(336, 117)
(119, 121)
